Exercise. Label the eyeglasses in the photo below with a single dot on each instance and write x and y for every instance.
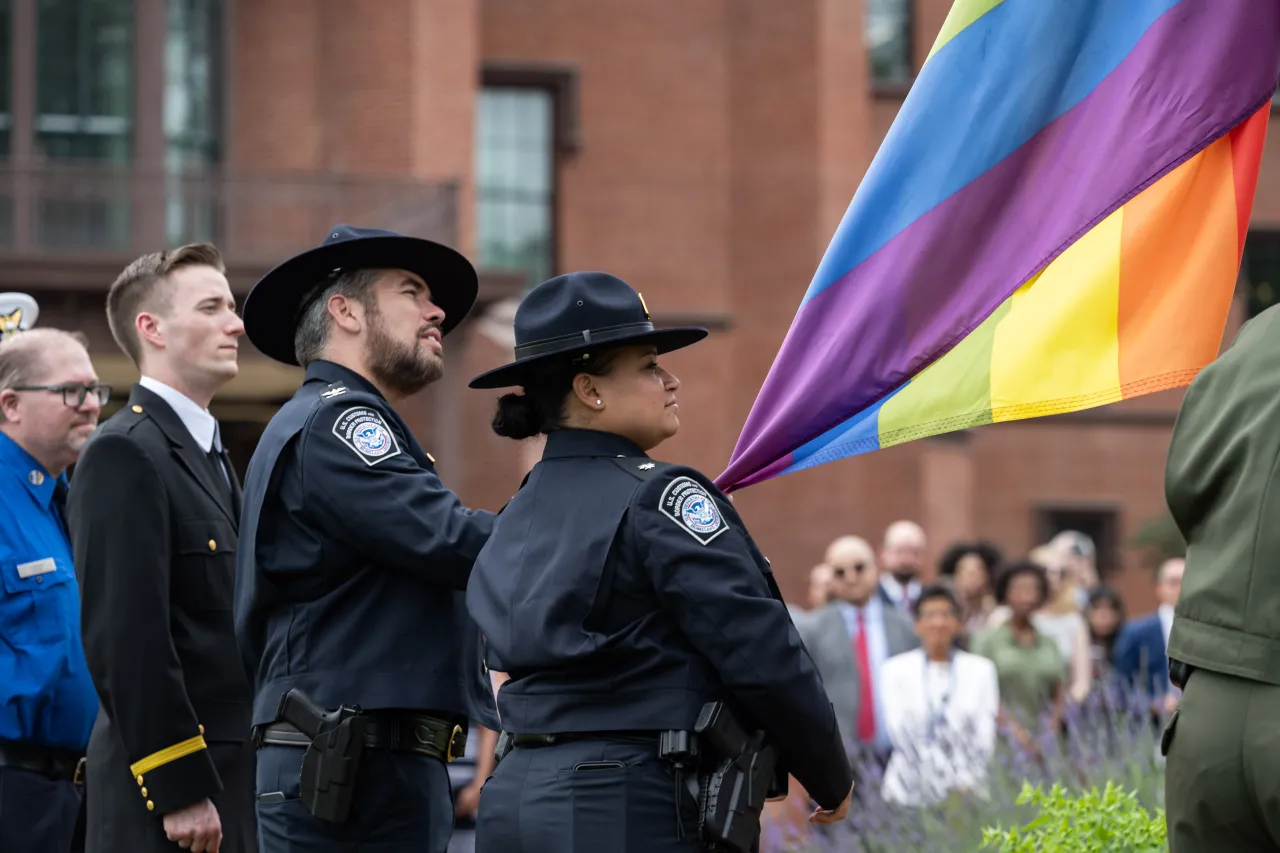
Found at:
(73, 394)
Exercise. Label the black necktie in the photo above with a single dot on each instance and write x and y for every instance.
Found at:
(221, 466)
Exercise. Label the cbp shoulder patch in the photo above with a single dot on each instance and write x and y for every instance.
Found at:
(364, 431)
(687, 503)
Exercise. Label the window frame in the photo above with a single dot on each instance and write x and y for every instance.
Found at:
(561, 83)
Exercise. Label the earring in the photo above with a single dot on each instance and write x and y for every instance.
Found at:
(598, 403)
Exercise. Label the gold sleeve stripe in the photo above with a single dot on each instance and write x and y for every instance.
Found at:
(164, 756)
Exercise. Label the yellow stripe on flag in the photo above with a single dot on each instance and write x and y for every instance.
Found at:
(1059, 344)
(962, 14)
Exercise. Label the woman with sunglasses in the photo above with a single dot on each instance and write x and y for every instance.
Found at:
(621, 595)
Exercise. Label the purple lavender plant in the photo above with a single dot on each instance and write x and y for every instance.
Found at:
(1112, 736)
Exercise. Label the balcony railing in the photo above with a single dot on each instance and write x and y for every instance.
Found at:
(102, 209)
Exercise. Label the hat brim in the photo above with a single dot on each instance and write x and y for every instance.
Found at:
(666, 340)
(272, 306)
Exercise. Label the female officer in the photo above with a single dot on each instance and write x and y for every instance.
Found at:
(621, 594)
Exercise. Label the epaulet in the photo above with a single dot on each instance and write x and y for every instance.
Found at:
(640, 467)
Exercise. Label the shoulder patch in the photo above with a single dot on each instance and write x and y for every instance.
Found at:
(365, 432)
(686, 502)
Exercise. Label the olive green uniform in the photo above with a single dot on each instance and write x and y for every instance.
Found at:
(1222, 484)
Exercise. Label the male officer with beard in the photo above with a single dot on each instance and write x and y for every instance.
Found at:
(353, 553)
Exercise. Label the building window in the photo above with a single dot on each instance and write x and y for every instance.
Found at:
(515, 178)
(6, 78)
(1101, 524)
(888, 38)
(84, 79)
(192, 117)
(1260, 269)
(84, 113)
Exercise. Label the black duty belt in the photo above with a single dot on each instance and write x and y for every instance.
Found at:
(49, 761)
(409, 733)
(533, 741)
(1179, 672)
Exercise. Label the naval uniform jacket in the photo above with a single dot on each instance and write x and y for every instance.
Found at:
(154, 537)
(620, 593)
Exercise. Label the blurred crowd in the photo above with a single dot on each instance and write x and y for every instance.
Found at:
(933, 679)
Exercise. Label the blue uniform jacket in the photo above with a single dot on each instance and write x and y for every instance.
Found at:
(352, 559)
(48, 696)
(1139, 656)
(620, 593)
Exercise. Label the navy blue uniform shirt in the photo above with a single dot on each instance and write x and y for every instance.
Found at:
(48, 697)
(621, 593)
(352, 559)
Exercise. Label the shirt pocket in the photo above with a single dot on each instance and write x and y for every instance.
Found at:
(204, 571)
(36, 608)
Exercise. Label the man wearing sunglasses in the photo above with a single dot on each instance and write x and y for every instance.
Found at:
(49, 404)
(154, 511)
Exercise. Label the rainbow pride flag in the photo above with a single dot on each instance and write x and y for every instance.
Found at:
(1054, 222)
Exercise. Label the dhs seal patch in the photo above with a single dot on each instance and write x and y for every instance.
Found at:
(364, 431)
(687, 503)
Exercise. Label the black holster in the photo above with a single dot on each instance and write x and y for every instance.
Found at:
(332, 759)
(738, 772)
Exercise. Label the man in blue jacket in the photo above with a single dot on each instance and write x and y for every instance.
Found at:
(1140, 653)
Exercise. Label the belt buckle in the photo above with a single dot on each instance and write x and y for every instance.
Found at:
(77, 777)
(458, 740)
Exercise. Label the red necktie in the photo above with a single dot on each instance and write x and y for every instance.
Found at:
(866, 703)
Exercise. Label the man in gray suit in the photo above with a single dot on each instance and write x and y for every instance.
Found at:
(849, 640)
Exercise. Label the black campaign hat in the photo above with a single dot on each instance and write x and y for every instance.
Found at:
(272, 307)
(577, 313)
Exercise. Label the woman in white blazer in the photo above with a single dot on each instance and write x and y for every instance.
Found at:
(940, 705)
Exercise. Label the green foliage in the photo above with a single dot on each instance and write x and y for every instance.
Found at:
(1113, 821)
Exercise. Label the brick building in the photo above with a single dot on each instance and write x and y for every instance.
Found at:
(703, 149)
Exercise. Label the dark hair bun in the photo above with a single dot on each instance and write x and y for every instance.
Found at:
(517, 417)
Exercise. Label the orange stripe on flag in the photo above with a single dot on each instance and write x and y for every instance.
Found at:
(1178, 262)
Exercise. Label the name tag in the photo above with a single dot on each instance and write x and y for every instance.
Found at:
(37, 567)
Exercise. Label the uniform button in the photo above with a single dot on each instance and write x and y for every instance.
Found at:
(213, 546)
(139, 781)
(151, 806)
(144, 792)
(40, 579)
(137, 410)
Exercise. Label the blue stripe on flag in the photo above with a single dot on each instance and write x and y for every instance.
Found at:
(993, 87)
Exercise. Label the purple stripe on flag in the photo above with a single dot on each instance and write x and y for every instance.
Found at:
(1199, 70)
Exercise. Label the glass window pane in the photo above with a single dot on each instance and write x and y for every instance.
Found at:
(514, 176)
(192, 118)
(1261, 270)
(84, 74)
(889, 40)
(84, 112)
(6, 66)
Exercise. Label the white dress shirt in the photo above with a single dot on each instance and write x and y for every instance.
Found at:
(961, 699)
(877, 654)
(903, 596)
(1165, 613)
(199, 421)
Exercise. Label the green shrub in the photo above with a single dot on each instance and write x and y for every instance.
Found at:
(1113, 821)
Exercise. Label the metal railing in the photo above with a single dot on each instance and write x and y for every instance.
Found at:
(98, 209)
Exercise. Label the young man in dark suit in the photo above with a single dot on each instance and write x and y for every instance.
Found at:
(154, 509)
